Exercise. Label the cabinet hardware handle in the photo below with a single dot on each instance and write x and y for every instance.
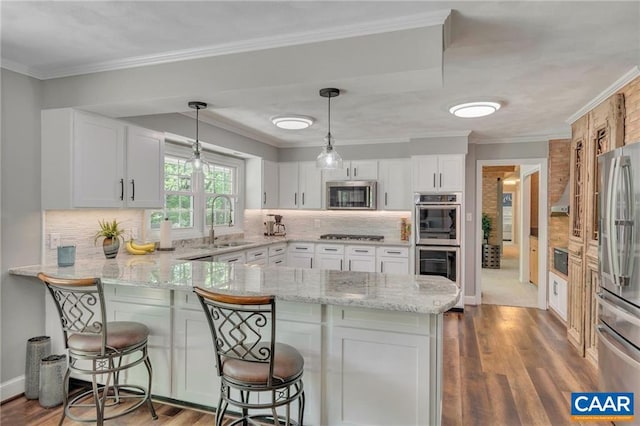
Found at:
(341, 264)
(303, 198)
(232, 260)
(386, 199)
(381, 266)
(301, 248)
(393, 252)
(349, 264)
(277, 261)
(133, 190)
(265, 198)
(347, 172)
(555, 288)
(361, 251)
(440, 180)
(121, 189)
(311, 263)
(331, 249)
(434, 180)
(355, 171)
(295, 198)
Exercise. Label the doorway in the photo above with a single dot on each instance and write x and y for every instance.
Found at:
(509, 199)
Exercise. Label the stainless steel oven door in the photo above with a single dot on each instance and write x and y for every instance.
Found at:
(440, 261)
(438, 224)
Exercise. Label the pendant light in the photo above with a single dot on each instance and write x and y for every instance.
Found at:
(329, 157)
(197, 163)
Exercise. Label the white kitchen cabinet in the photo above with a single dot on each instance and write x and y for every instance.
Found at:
(257, 256)
(300, 255)
(394, 185)
(235, 257)
(360, 258)
(353, 170)
(438, 173)
(392, 260)
(93, 161)
(150, 307)
(329, 256)
(278, 254)
(261, 184)
(300, 185)
(558, 295)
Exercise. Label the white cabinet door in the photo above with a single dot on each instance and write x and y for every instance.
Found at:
(434, 173)
(288, 185)
(279, 260)
(300, 255)
(451, 172)
(558, 295)
(270, 185)
(98, 162)
(394, 189)
(158, 320)
(393, 265)
(425, 173)
(369, 369)
(337, 174)
(360, 258)
(332, 262)
(145, 165)
(261, 184)
(363, 170)
(310, 185)
(194, 374)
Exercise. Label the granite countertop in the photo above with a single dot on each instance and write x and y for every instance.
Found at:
(405, 293)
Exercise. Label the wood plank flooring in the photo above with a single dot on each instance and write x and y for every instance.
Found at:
(502, 366)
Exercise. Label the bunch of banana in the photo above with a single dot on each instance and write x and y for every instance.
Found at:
(133, 248)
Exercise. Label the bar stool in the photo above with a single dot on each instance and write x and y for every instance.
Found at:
(97, 348)
(248, 359)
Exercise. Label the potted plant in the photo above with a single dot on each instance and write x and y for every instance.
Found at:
(112, 234)
(486, 228)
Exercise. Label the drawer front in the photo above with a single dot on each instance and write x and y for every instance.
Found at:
(361, 251)
(278, 260)
(329, 249)
(142, 295)
(393, 251)
(236, 257)
(277, 249)
(301, 247)
(255, 254)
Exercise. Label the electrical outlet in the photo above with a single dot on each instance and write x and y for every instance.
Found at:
(54, 241)
(469, 217)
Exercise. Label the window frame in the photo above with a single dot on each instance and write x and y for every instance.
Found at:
(200, 228)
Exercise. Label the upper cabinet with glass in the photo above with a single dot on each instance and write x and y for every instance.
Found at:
(97, 162)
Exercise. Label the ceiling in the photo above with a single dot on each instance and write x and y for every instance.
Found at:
(400, 64)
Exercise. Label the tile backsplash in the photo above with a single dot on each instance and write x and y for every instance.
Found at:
(313, 223)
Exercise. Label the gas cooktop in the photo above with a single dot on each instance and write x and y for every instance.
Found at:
(351, 237)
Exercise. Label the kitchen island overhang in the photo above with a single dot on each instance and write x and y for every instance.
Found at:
(372, 342)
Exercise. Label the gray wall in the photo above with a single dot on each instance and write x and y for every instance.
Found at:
(496, 151)
(22, 307)
(182, 125)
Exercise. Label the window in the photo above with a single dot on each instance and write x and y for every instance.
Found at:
(193, 199)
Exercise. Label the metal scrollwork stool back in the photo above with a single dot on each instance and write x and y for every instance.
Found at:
(250, 361)
(99, 349)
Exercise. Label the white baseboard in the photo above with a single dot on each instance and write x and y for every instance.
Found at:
(470, 300)
(11, 388)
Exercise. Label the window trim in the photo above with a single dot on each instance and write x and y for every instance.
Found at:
(200, 230)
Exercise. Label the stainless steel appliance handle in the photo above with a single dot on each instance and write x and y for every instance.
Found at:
(628, 225)
(607, 339)
(611, 231)
(619, 310)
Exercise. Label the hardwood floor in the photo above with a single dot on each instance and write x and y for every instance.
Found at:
(510, 366)
(502, 366)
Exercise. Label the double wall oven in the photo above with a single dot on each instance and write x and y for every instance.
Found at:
(438, 235)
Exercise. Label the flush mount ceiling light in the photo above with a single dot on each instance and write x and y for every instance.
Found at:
(474, 109)
(292, 122)
(196, 163)
(329, 157)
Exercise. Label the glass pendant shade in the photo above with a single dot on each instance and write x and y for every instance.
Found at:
(329, 158)
(196, 163)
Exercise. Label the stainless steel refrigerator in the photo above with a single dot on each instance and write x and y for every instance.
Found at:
(619, 252)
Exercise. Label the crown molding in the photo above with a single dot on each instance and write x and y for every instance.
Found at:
(20, 69)
(609, 91)
(521, 139)
(305, 37)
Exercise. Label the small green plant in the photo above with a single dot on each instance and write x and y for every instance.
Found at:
(486, 227)
(110, 230)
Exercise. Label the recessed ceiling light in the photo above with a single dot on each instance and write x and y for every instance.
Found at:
(474, 109)
(292, 122)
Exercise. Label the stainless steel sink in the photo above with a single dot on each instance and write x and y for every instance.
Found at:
(222, 245)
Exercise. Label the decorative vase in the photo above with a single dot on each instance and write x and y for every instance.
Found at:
(37, 348)
(110, 246)
(52, 370)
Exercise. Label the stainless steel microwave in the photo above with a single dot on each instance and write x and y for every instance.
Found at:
(351, 195)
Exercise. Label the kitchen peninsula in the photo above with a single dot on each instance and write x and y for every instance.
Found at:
(372, 342)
